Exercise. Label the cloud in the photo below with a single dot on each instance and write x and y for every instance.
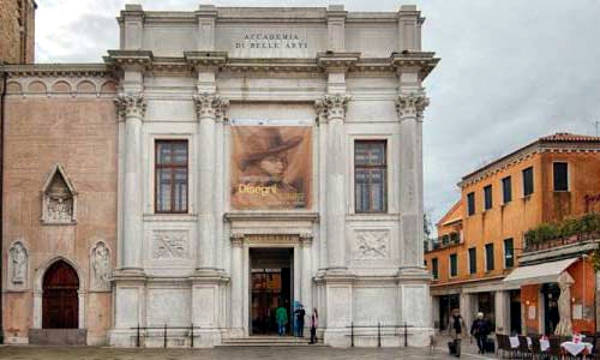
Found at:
(511, 70)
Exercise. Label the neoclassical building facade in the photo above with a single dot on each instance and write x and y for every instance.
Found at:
(221, 163)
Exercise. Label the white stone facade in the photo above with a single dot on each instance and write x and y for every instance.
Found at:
(350, 76)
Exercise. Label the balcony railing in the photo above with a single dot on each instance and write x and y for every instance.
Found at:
(443, 241)
(568, 231)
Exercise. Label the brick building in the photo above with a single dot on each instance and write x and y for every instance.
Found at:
(481, 238)
(17, 26)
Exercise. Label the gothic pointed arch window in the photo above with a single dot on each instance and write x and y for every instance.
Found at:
(59, 198)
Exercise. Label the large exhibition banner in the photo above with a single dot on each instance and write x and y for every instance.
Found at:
(271, 167)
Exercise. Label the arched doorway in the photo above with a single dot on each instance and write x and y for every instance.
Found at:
(60, 302)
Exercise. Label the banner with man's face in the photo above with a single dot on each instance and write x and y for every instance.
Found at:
(271, 167)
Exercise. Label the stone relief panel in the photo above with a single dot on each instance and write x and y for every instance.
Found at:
(100, 267)
(18, 265)
(170, 244)
(59, 198)
(371, 244)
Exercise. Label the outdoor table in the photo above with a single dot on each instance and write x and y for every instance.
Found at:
(544, 344)
(574, 348)
(514, 342)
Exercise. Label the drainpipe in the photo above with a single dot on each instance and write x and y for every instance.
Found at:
(2, 114)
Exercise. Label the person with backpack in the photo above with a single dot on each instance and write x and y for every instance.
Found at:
(456, 329)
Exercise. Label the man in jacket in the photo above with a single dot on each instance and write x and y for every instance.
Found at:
(480, 331)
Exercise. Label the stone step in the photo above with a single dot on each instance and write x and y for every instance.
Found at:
(264, 341)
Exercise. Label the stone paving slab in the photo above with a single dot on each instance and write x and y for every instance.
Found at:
(266, 353)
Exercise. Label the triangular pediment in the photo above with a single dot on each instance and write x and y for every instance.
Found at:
(58, 182)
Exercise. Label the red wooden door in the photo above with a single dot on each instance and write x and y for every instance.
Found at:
(60, 302)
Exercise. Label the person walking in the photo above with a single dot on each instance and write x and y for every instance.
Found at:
(456, 328)
(480, 331)
(300, 313)
(281, 317)
(314, 323)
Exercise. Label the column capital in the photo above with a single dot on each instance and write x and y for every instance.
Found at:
(411, 105)
(236, 239)
(211, 106)
(130, 105)
(330, 107)
(306, 239)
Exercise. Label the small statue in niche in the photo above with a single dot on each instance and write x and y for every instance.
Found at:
(18, 258)
(101, 266)
(60, 203)
(59, 199)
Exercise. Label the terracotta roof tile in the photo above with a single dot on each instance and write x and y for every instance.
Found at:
(568, 137)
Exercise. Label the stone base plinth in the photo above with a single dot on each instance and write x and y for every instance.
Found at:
(58, 336)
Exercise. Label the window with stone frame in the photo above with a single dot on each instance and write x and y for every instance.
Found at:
(171, 176)
(528, 181)
(434, 268)
(370, 176)
(489, 257)
(453, 265)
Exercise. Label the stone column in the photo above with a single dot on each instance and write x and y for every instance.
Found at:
(237, 278)
(132, 107)
(466, 307)
(335, 153)
(306, 286)
(210, 109)
(410, 108)
(502, 311)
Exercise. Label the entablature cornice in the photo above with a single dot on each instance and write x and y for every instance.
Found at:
(423, 60)
(57, 70)
(205, 59)
(140, 60)
(337, 61)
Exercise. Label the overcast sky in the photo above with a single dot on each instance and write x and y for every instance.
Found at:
(511, 70)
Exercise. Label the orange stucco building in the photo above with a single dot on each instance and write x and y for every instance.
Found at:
(481, 238)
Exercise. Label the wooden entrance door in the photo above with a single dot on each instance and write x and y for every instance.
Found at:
(60, 302)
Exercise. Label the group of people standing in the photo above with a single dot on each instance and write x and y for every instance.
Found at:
(480, 329)
(281, 317)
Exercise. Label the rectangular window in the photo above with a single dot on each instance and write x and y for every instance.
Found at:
(507, 190)
(489, 257)
(370, 174)
(509, 253)
(453, 265)
(561, 176)
(471, 203)
(434, 268)
(528, 181)
(472, 260)
(171, 171)
(487, 197)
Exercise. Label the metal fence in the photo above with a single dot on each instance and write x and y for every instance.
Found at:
(382, 330)
(142, 333)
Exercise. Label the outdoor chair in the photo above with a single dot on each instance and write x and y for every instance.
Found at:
(536, 348)
(555, 351)
(524, 349)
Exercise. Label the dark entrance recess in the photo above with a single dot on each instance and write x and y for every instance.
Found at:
(271, 285)
(60, 302)
(515, 311)
(550, 292)
(447, 304)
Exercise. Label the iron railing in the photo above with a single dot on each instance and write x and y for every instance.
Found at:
(381, 332)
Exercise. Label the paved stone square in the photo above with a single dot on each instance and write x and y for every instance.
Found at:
(245, 353)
